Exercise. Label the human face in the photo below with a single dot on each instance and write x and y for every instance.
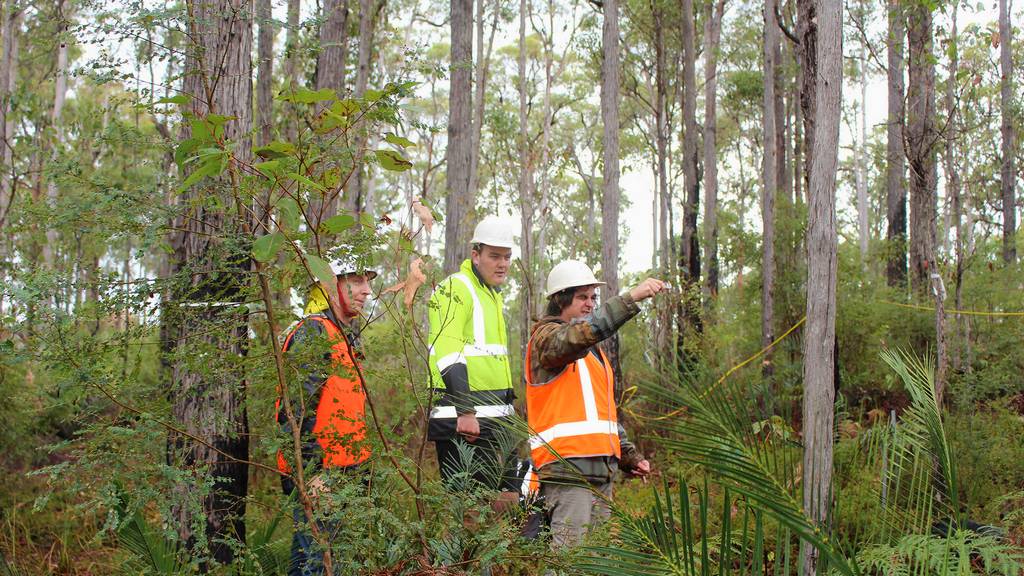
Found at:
(353, 290)
(584, 300)
(492, 263)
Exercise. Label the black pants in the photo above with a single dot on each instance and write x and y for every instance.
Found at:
(471, 465)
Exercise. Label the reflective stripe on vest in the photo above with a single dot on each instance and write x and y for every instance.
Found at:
(340, 427)
(574, 414)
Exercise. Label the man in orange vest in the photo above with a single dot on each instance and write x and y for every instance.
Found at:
(570, 404)
(329, 409)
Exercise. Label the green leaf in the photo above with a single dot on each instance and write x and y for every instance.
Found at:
(306, 96)
(265, 248)
(398, 140)
(373, 95)
(339, 223)
(184, 151)
(303, 180)
(218, 120)
(320, 268)
(275, 149)
(346, 107)
(213, 166)
(391, 160)
(269, 168)
(289, 212)
(201, 131)
(179, 99)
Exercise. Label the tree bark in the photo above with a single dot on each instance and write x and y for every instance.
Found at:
(527, 297)
(712, 31)
(952, 171)
(265, 74)
(8, 80)
(357, 195)
(483, 64)
(661, 137)
(460, 198)
(822, 242)
(690, 253)
(895, 168)
(291, 59)
(769, 167)
(610, 156)
(333, 56)
(921, 147)
(208, 395)
(807, 32)
(1008, 171)
(60, 93)
(863, 231)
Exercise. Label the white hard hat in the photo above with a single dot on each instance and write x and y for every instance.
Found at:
(570, 274)
(346, 264)
(494, 231)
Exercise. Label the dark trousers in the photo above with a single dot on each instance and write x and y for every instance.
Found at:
(307, 556)
(484, 464)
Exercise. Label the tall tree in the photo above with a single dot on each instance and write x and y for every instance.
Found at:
(953, 183)
(525, 185)
(807, 34)
(265, 72)
(713, 12)
(921, 145)
(1008, 173)
(822, 243)
(863, 231)
(895, 168)
(333, 56)
(690, 254)
(60, 90)
(357, 195)
(292, 68)
(460, 198)
(610, 157)
(769, 167)
(12, 15)
(208, 398)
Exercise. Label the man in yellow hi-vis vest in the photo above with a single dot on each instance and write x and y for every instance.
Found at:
(469, 362)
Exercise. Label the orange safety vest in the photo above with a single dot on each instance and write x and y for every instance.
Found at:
(573, 414)
(340, 426)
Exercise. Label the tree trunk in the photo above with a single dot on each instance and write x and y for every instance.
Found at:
(527, 298)
(8, 74)
(769, 167)
(820, 335)
(712, 30)
(60, 93)
(610, 154)
(895, 186)
(483, 64)
(208, 397)
(460, 198)
(863, 231)
(265, 74)
(661, 148)
(690, 254)
(952, 171)
(291, 59)
(807, 32)
(331, 61)
(921, 144)
(357, 193)
(1008, 173)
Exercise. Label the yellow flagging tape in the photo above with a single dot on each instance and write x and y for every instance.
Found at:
(728, 373)
(954, 311)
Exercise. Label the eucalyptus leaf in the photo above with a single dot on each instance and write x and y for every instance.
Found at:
(265, 248)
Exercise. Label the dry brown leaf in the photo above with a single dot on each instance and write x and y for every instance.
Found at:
(414, 281)
(424, 214)
(995, 38)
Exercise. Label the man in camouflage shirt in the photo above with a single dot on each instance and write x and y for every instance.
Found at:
(562, 345)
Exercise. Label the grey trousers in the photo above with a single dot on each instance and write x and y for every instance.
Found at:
(573, 510)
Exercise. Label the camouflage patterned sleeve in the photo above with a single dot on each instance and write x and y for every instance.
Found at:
(556, 344)
(631, 455)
